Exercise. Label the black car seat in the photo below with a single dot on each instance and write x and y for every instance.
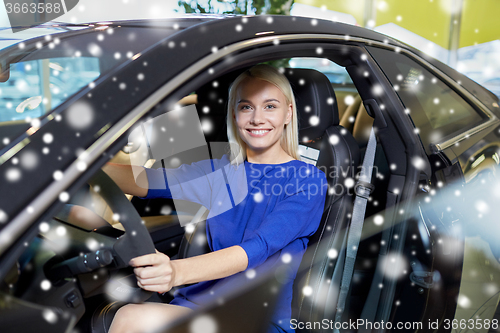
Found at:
(314, 295)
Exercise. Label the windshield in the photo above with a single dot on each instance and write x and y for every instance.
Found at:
(40, 74)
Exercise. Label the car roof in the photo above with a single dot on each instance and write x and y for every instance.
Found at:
(188, 20)
(281, 25)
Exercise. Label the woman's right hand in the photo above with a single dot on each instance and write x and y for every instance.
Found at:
(154, 272)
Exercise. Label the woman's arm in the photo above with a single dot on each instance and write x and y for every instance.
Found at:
(155, 272)
(123, 176)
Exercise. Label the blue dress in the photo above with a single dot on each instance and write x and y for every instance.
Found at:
(270, 215)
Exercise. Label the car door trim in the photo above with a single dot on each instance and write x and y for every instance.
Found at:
(25, 218)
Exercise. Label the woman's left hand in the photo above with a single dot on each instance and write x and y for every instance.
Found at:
(154, 272)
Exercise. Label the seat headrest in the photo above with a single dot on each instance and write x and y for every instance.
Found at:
(316, 102)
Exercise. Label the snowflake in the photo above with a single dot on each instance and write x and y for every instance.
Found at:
(190, 228)
(464, 301)
(92, 244)
(206, 126)
(377, 90)
(64, 196)
(332, 253)
(481, 206)
(61, 231)
(349, 100)
(258, 197)
(418, 162)
(50, 316)
(94, 50)
(45, 285)
(44, 227)
(204, 324)
(3, 216)
(394, 265)
(349, 182)
(166, 210)
(314, 120)
(378, 220)
(29, 160)
(80, 115)
(250, 274)
(13, 174)
(334, 139)
(307, 291)
(286, 258)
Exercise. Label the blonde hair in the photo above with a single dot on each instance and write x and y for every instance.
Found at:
(290, 137)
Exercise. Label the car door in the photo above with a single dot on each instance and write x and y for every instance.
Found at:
(457, 130)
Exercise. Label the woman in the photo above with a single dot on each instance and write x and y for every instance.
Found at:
(282, 209)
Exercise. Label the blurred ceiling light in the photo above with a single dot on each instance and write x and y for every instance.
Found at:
(30, 103)
(56, 66)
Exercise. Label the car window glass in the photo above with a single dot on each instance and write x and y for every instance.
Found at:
(436, 110)
(348, 100)
(335, 73)
(35, 87)
(40, 74)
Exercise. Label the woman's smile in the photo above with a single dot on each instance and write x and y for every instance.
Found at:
(258, 133)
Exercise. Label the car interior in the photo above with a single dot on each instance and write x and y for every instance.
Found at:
(346, 109)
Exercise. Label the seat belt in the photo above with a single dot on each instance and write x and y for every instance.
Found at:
(363, 189)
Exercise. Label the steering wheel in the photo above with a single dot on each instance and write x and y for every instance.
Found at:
(135, 242)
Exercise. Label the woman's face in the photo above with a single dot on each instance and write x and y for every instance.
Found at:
(261, 113)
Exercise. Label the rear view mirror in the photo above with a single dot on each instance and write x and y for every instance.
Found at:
(4, 72)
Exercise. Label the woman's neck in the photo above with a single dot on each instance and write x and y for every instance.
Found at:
(268, 157)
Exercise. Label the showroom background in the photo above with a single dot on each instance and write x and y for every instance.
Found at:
(464, 34)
